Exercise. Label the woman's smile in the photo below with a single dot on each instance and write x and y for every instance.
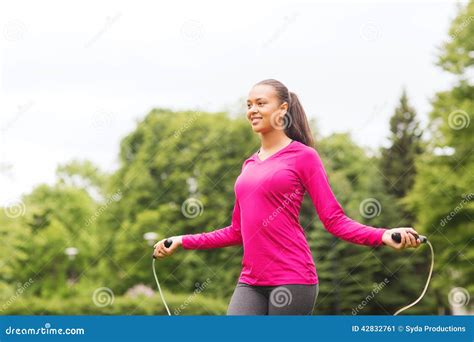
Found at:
(256, 120)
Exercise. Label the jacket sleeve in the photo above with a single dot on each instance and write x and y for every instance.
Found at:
(314, 178)
(228, 236)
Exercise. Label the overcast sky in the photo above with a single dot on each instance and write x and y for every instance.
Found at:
(76, 77)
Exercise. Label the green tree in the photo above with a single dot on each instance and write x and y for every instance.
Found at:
(14, 254)
(442, 196)
(397, 167)
(59, 216)
(348, 272)
(398, 160)
(173, 162)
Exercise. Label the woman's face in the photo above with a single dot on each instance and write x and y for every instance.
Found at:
(264, 110)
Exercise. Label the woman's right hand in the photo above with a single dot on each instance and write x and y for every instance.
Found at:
(407, 236)
(161, 251)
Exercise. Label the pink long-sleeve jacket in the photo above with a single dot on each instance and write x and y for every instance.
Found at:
(265, 219)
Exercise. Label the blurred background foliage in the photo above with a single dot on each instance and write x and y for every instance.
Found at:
(420, 180)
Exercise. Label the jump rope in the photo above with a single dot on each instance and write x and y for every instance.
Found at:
(395, 237)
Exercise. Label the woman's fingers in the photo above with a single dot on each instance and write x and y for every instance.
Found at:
(165, 251)
(403, 238)
(157, 253)
(161, 251)
(413, 240)
(160, 254)
(407, 239)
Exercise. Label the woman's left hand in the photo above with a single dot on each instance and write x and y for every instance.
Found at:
(407, 240)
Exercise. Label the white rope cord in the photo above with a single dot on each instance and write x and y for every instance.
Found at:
(395, 314)
(159, 289)
(426, 286)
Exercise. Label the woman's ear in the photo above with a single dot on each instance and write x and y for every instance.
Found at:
(284, 107)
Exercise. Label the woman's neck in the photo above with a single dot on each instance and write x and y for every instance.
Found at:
(273, 140)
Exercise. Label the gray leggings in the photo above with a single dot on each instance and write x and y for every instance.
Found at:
(292, 299)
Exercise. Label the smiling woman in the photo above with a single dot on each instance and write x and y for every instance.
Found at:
(270, 107)
(278, 272)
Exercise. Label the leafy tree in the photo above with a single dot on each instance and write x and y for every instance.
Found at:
(397, 167)
(442, 195)
(170, 160)
(348, 272)
(398, 160)
(57, 217)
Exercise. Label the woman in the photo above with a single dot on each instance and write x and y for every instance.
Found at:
(278, 273)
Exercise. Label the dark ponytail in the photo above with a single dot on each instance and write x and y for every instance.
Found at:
(295, 120)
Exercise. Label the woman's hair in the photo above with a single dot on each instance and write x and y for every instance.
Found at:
(296, 124)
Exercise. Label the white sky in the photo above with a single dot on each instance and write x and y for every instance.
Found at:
(74, 78)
